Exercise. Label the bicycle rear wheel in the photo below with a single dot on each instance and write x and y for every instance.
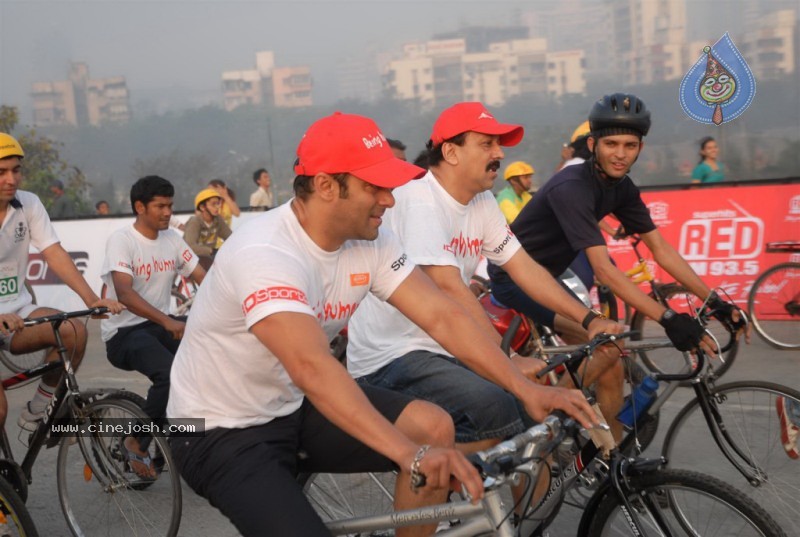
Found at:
(99, 491)
(671, 360)
(338, 496)
(774, 305)
(748, 412)
(15, 521)
(688, 503)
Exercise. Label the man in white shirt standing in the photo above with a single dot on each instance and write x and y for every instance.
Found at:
(24, 223)
(262, 197)
(142, 260)
(256, 363)
(446, 221)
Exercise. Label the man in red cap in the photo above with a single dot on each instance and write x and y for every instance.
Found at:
(255, 360)
(446, 221)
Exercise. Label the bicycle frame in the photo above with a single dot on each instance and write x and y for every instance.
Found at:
(65, 393)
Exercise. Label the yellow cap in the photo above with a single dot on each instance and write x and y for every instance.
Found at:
(582, 130)
(518, 168)
(9, 146)
(205, 195)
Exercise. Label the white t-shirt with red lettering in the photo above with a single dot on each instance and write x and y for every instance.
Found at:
(434, 229)
(153, 265)
(222, 372)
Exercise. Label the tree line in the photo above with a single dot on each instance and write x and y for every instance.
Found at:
(191, 147)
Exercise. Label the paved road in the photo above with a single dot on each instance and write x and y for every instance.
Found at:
(758, 361)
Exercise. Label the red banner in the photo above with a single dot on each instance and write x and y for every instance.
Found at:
(722, 232)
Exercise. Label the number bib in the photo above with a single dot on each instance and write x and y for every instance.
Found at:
(9, 283)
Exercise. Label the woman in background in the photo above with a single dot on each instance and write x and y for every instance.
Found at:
(709, 170)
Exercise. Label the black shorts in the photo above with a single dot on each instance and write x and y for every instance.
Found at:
(249, 474)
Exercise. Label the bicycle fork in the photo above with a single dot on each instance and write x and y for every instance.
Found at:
(708, 404)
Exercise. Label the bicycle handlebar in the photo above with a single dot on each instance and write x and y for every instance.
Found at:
(572, 359)
(536, 442)
(64, 315)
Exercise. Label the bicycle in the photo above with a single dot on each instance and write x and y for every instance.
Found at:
(99, 491)
(774, 300)
(631, 494)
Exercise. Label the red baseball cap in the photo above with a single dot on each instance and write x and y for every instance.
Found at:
(348, 143)
(465, 117)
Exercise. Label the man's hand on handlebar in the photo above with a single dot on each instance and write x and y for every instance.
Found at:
(112, 305)
(607, 326)
(10, 322)
(687, 334)
(730, 315)
(439, 464)
(540, 401)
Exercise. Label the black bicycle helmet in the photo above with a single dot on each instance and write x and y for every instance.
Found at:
(619, 113)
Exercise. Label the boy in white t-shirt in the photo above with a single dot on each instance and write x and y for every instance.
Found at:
(24, 222)
(256, 363)
(142, 260)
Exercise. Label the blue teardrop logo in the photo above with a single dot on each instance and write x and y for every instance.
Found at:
(720, 85)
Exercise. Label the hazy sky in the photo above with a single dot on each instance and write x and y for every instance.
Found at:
(157, 44)
(185, 45)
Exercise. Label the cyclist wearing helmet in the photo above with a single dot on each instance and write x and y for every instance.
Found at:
(561, 221)
(206, 226)
(519, 176)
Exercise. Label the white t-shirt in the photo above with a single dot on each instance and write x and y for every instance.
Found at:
(26, 224)
(434, 229)
(222, 372)
(153, 265)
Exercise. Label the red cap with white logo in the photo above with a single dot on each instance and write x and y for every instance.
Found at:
(348, 143)
(465, 117)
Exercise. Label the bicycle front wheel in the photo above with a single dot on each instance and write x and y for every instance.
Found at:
(752, 435)
(678, 503)
(338, 496)
(15, 521)
(99, 489)
(774, 305)
(671, 360)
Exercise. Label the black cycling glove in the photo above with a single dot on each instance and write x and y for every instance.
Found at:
(682, 330)
(723, 312)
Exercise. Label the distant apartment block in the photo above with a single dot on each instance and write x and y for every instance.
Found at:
(771, 44)
(441, 72)
(81, 100)
(282, 87)
(651, 39)
(359, 78)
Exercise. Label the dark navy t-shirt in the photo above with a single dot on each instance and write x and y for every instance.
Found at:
(562, 217)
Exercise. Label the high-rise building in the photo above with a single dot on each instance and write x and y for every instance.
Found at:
(650, 37)
(439, 73)
(81, 100)
(281, 87)
(771, 44)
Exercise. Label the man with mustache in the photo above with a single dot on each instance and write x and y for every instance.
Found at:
(256, 362)
(446, 221)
